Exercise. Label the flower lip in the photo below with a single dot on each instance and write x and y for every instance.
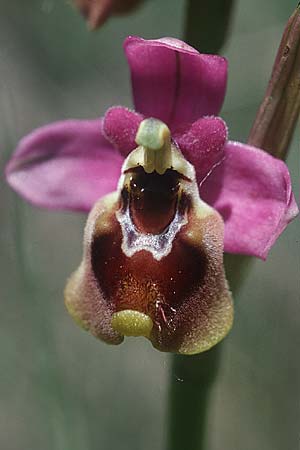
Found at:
(190, 308)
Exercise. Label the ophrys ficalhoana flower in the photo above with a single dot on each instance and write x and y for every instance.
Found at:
(153, 248)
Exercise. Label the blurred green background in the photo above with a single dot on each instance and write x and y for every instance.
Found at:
(61, 389)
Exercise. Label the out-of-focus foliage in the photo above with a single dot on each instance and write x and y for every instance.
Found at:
(60, 389)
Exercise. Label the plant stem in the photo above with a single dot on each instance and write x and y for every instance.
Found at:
(207, 24)
(190, 383)
(192, 377)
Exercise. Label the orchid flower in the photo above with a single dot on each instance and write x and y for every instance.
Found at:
(168, 191)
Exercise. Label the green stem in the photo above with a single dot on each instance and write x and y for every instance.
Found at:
(192, 377)
(207, 23)
(191, 380)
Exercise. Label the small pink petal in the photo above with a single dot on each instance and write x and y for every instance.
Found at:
(65, 165)
(120, 126)
(252, 191)
(173, 82)
(202, 143)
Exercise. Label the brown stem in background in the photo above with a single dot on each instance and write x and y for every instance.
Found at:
(97, 12)
(277, 116)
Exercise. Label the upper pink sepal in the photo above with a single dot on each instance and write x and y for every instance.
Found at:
(120, 126)
(65, 165)
(173, 82)
(202, 143)
(252, 191)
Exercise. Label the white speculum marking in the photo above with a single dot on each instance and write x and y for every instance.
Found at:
(159, 245)
(155, 153)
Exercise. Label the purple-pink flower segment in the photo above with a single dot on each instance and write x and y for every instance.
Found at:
(70, 164)
(158, 271)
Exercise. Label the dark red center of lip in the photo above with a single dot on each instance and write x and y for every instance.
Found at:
(153, 199)
(141, 283)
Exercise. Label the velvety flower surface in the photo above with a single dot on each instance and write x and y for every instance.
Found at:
(152, 262)
(153, 256)
(70, 164)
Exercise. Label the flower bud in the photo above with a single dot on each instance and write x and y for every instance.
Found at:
(277, 116)
(97, 11)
